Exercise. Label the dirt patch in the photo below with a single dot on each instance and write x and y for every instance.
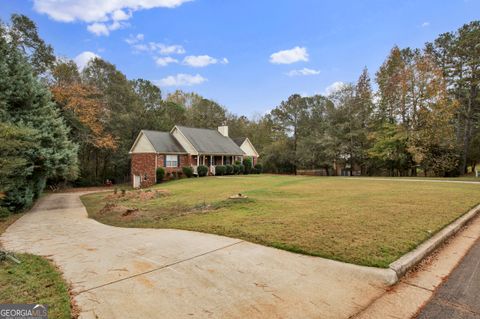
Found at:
(142, 195)
(122, 211)
(130, 211)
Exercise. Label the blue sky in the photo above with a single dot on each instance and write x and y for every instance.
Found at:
(247, 55)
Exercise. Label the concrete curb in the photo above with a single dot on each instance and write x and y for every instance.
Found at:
(407, 261)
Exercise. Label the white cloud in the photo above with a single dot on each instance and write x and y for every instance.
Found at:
(132, 39)
(164, 61)
(166, 49)
(332, 88)
(303, 72)
(98, 29)
(83, 58)
(425, 24)
(104, 29)
(153, 47)
(181, 79)
(115, 25)
(140, 47)
(200, 61)
(94, 11)
(293, 55)
(158, 51)
(120, 15)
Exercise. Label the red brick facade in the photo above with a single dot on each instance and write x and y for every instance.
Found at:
(184, 160)
(145, 166)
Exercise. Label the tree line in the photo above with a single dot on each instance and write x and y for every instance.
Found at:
(423, 118)
(59, 123)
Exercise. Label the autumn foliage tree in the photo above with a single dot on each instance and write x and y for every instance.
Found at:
(83, 104)
(413, 95)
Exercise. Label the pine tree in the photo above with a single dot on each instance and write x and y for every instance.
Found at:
(41, 145)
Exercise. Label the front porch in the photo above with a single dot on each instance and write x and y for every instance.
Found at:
(211, 161)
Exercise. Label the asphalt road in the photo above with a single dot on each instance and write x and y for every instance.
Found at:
(459, 296)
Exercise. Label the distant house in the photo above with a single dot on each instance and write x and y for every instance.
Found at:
(185, 146)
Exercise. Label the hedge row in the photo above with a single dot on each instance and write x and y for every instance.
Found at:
(202, 171)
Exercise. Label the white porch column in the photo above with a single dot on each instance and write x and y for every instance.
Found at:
(198, 159)
(222, 159)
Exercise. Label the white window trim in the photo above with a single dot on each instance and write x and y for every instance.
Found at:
(171, 161)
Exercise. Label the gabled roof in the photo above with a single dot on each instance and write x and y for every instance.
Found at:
(239, 140)
(207, 141)
(163, 142)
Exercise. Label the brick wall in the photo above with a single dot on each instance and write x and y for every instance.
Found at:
(185, 160)
(143, 165)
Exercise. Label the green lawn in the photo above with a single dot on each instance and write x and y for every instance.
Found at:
(360, 220)
(35, 280)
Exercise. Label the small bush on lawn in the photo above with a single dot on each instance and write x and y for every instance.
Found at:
(202, 170)
(229, 169)
(241, 169)
(220, 170)
(236, 169)
(160, 174)
(258, 168)
(187, 171)
(247, 162)
(238, 162)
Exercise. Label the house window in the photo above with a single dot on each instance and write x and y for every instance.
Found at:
(172, 161)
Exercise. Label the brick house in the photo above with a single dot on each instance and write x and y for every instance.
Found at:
(185, 146)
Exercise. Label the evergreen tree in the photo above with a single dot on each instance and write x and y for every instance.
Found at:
(42, 147)
(23, 34)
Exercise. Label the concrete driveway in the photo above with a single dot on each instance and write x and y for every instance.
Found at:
(161, 273)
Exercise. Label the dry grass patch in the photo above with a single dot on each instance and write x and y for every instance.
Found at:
(363, 221)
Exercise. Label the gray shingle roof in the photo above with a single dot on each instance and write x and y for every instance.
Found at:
(208, 141)
(239, 140)
(163, 142)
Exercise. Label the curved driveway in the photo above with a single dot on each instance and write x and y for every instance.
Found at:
(161, 273)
